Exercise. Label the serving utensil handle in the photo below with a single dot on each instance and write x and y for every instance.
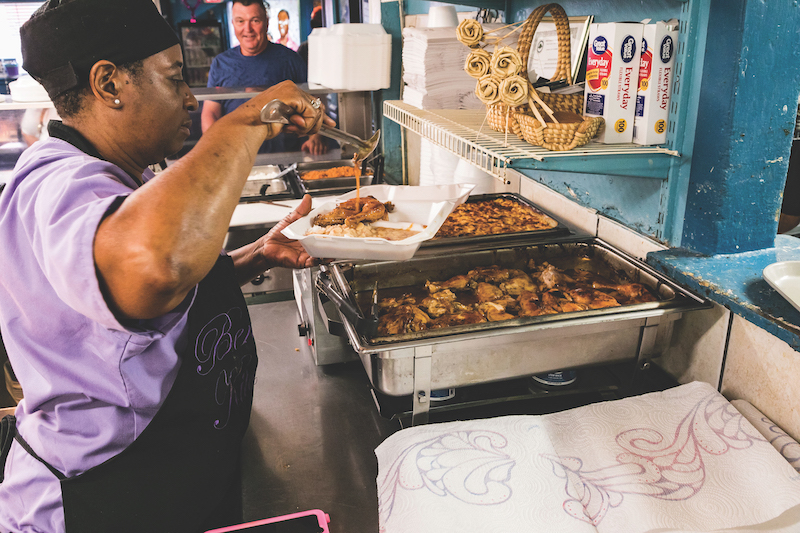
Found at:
(344, 137)
(276, 111)
(348, 309)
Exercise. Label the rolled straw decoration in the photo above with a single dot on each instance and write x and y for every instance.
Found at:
(506, 62)
(470, 32)
(514, 91)
(477, 64)
(488, 89)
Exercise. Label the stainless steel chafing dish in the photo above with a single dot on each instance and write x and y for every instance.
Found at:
(269, 182)
(327, 186)
(415, 363)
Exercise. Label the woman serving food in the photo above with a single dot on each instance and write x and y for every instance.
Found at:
(138, 376)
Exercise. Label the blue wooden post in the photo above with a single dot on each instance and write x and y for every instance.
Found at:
(745, 120)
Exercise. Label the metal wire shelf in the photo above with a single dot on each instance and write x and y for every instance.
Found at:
(466, 134)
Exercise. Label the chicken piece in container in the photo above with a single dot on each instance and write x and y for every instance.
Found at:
(403, 319)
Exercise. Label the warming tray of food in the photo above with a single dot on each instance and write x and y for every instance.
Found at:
(331, 177)
(571, 283)
(269, 182)
(491, 218)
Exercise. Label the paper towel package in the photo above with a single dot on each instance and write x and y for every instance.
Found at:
(355, 57)
(612, 73)
(679, 460)
(656, 73)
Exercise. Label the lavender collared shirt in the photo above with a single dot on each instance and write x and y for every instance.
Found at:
(91, 384)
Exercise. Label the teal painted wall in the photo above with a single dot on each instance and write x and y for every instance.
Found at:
(635, 202)
(421, 7)
(605, 11)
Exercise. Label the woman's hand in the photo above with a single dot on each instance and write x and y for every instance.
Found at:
(279, 250)
(273, 249)
(309, 112)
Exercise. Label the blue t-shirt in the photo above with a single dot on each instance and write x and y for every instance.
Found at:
(272, 66)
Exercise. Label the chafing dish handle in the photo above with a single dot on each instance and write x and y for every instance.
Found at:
(367, 326)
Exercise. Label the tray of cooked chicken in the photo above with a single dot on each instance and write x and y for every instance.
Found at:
(499, 216)
(499, 313)
(536, 283)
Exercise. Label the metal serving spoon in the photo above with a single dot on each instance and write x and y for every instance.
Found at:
(278, 112)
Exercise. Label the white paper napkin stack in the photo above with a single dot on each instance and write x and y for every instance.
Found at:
(433, 69)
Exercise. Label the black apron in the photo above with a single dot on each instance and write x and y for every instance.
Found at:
(183, 470)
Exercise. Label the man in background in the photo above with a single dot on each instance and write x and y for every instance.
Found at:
(256, 62)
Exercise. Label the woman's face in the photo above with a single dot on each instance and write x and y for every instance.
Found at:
(160, 102)
(283, 23)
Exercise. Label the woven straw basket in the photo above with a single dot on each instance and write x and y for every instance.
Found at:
(496, 116)
(557, 102)
(501, 117)
(576, 130)
(569, 133)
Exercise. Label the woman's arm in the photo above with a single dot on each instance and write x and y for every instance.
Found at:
(168, 233)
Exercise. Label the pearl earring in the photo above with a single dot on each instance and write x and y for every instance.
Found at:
(116, 101)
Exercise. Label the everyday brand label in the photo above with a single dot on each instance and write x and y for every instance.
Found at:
(612, 77)
(626, 87)
(598, 65)
(665, 72)
(656, 65)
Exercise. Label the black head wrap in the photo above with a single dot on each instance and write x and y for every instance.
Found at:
(64, 38)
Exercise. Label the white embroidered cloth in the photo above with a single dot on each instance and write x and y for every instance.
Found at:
(780, 440)
(683, 459)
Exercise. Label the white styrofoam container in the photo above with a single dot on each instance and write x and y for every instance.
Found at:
(355, 57)
(317, 43)
(424, 207)
(612, 75)
(656, 74)
(26, 89)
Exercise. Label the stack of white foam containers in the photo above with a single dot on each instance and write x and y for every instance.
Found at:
(353, 57)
